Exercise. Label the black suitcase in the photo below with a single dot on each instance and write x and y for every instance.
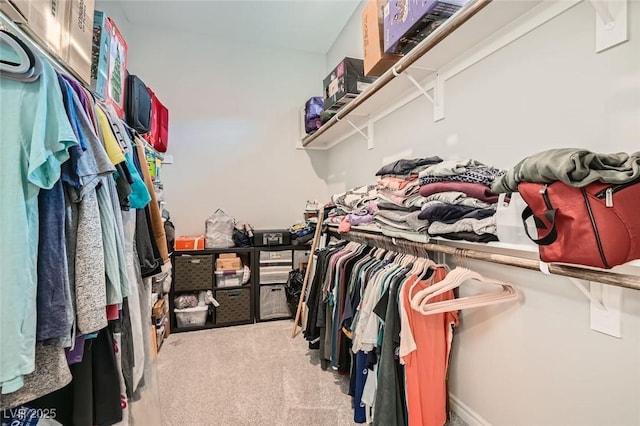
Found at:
(138, 108)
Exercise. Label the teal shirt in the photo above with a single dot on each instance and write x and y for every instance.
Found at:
(34, 137)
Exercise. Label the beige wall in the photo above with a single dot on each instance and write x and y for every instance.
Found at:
(234, 123)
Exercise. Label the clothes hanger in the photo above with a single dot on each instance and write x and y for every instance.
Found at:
(420, 300)
(25, 63)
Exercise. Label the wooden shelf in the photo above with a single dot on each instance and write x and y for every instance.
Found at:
(476, 22)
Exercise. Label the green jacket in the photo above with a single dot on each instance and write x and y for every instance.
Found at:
(575, 167)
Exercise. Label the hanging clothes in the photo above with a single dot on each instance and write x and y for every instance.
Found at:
(359, 307)
(36, 135)
(67, 182)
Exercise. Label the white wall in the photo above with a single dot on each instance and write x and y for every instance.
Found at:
(537, 363)
(349, 41)
(233, 125)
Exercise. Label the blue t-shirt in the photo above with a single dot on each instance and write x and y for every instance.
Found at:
(35, 135)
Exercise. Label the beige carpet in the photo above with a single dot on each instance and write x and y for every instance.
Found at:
(248, 375)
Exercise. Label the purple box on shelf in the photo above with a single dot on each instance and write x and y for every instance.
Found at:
(408, 22)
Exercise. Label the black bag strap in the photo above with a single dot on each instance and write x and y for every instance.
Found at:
(550, 215)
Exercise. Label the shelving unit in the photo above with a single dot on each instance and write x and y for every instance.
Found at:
(272, 292)
(477, 21)
(220, 293)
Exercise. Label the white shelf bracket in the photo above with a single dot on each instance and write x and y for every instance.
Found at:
(611, 23)
(605, 307)
(368, 136)
(582, 286)
(438, 92)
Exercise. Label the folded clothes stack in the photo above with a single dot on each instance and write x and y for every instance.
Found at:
(459, 202)
(354, 207)
(399, 199)
(420, 198)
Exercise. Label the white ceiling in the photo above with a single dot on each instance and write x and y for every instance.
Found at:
(308, 25)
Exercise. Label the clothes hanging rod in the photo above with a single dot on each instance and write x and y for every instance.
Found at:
(397, 244)
(452, 24)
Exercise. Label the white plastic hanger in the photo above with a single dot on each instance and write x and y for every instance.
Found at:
(420, 301)
(16, 68)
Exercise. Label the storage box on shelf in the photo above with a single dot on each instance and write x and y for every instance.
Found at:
(344, 83)
(477, 22)
(191, 317)
(229, 278)
(271, 237)
(79, 38)
(193, 272)
(109, 61)
(273, 302)
(235, 306)
(408, 22)
(47, 21)
(189, 243)
(376, 61)
(228, 262)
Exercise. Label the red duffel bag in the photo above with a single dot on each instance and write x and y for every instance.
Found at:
(597, 225)
(158, 136)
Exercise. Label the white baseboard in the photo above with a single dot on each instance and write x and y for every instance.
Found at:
(465, 412)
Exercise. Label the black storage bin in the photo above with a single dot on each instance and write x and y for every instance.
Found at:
(235, 306)
(193, 273)
(273, 302)
(271, 237)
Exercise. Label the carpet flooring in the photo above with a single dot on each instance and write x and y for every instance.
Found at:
(249, 375)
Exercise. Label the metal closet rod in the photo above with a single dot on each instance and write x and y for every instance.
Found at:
(382, 241)
(452, 24)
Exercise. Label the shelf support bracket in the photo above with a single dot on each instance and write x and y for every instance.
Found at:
(438, 92)
(368, 136)
(581, 285)
(605, 307)
(611, 23)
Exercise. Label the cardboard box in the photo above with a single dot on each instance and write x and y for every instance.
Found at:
(47, 21)
(228, 255)
(79, 37)
(16, 10)
(158, 309)
(108, 61)
(190, 243)
(408, 22)
(376, 62)
(228, 264)
(345, 82)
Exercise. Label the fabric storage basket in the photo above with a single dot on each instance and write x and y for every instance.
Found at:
(191, 317)
(235, 306)
(229, 278)
(275, 257)
(193, 273)
(274, 274)
(273, 302)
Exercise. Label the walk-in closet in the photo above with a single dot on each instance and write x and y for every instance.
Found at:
(319, 212)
